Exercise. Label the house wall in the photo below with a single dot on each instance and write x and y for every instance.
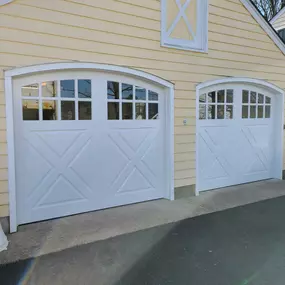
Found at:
(279, 24)
(127, 33)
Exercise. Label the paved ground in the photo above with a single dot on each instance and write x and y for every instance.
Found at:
(56, 235)
(240, 246)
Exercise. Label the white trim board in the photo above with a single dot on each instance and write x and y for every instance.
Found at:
(259, 83)
(4, 2)
(11, 74)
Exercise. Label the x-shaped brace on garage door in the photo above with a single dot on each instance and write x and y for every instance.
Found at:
(181, 14)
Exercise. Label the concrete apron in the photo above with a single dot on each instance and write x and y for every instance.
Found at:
(51, 236)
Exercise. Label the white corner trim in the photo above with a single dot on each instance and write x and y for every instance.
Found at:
(13, 73)
(277, 16)
(264, 24)
(3, 2)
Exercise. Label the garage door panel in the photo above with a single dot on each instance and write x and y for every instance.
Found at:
(78, 154)
(239, 144)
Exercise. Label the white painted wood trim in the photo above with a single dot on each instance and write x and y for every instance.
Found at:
(264, 24)
(10, 74)
(200, 42)
(277, 16)
(263, 84)
(3, 2)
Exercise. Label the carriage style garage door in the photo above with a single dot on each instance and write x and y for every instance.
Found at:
(238, 135)
(86, 141)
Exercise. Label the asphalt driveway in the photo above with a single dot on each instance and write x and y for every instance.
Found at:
(244, 245)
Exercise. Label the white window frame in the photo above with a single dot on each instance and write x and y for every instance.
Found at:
(200, 43)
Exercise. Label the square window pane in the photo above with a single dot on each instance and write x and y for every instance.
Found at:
(113, 111)
(152, 96)
(202, 98)
(202, 112)
(30, 110)
(30, 90)
(152, 111)
(252, 97)
(84, 111)
(84, 88)
(245, 112)
(127, 91)
(140, 111)
(211, 112)
(140, 93)
(229, 112)
(127, 111)
(212, 97)
(245, 94)
(230, 96)
(221, 96)
(267, 112)
(67, 110)
(260, 112)
(221, 112)
(49, 89)
(260, 98)
(252, 112)
(113, 89)
(67, 89)
(49, 110)
(268, 100)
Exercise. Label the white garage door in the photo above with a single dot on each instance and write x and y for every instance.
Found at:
(237, 135)
(86, 141)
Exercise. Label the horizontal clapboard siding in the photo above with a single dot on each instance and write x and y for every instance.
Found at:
(127, 33)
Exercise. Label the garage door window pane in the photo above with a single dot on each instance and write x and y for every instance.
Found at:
(252, 112)
(30, 90)
(49, 89)
(202, 98)
(253, 97)
(245, 96)
(221, 112)
(140, 93)
(67, 110)
(30, 110)
(84, 88)
(221, 96)
(202, 112)
(260, 98)
(127, 92)
(260, 112)
(267, 112)
(113, 111)
(140, 111)
(230, 96)
(268, 100)
(245, 112)
(113, 90)
(84, 110)
(229, 112)
(49, 110)
(127, 111)
(211, 112)
(212, 97)
(152, 111)
(152, 96)
(67, 89)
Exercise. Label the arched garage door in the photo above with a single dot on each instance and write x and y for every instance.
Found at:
(239, 134)
(86, 141)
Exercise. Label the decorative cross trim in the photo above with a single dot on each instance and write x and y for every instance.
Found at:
(199, 39)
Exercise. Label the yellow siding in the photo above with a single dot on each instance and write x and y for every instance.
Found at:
(127, 33)
(279, 23)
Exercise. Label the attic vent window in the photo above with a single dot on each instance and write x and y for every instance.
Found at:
(185, 24)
